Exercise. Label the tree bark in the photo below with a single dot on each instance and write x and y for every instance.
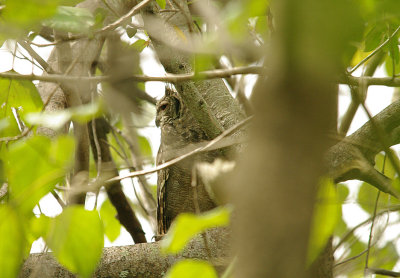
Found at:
(139, 260)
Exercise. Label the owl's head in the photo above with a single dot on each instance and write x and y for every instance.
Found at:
(168, 108)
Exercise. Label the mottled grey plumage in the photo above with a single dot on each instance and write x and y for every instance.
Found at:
(174, 189)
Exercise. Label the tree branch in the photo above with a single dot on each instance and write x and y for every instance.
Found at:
(139, 260)
(172, 78)
(353, 157)
(126, 216)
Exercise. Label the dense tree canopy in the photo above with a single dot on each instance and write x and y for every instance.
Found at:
(261, 81)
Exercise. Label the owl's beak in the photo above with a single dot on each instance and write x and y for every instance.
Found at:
(157, 122)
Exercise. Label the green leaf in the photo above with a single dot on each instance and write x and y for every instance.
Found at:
(56, 120)
(112, 227)
(25, 13)
(367, 196)
(34, 167)
(203, 62)
(374, 37)
(39, 226)
(145, 147)
(70, 2)
(161, 3)
(71, 19)
(76, 238)
(326, 216)
(20, 95)
(130, 31)
(389, 170)
(385, 257)
(139, 45)
(188, 225)
(192, 269)
(389, 67)
(394, 49)
(12, 243)
(342, 194)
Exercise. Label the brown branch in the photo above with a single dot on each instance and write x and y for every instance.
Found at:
(139, 260)
(126, 215)
(211, 74)
(356, 97)
(353, 157)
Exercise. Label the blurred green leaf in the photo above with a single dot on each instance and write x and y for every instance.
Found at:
(188, 225)
(190, 268)
(374, 37)
(203, 62)
(112, 227)
(389, 67)
(56, 120)
(161, 3)
(34, 167)
(76, 238)
(386, 257)
(145, 147)
(27, 13)
(71, 19)
(99, 17)
(389, 170)
(12, 243)
(39, 226)
(394, 49)
(130, 31)
(20, 95)
(342, 192)
(237, 15)
(139, 45)
(367, 196)
(70, 2)
(326, 216)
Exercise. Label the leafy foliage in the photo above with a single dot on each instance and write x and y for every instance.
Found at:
(188, 225)
(326, 216)
(112, 228)
(18, 97)
(74, 232)
(192, 268)
(34, 166)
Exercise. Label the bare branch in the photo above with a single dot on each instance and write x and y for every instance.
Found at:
(211, 74)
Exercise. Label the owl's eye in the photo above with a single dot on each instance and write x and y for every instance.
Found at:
(163, 106)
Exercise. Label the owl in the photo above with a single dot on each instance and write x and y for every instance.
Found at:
(175, 193)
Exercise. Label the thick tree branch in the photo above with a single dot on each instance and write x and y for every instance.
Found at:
(139, 260)
(353, 157)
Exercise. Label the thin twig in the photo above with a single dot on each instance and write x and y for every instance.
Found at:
(58, 198)
(350, 259)
(351, 232)
(371, 231)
